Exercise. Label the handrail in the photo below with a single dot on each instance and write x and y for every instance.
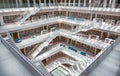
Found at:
(91, 67)
(76, 21)
(14, 5)
(32, 68)
(12, 41)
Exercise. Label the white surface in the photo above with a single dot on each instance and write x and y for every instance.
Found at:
(94, 43)
(10, 65)
(110, 66)
(85, 23)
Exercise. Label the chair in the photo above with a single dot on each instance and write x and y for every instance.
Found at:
(18, 40)
(83, 53)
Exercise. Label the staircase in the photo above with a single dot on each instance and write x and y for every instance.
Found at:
(26, 15)
(39, 49)
(33, 49)
(83, 28)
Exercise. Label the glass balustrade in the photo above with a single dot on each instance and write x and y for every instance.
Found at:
(28, 5)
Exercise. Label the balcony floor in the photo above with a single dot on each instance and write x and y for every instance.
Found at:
(10, 65)
(110, 66)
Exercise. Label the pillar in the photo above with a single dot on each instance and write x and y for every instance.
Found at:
(74, 3)
(1, 20)
(16, 1)
(84, 3)
(65, 2)
(79, 2)
(28, 3)
(66, 13)
(91, 16)
(54, 2)
(20, 2)
(108, 34)
(53, 13)
(110, 1)
(39, 2)
(45, 2)
(18, 34)
(49, 2)
(69, 2)
(113, 3)
(105, 4)
(34, 3)
(101, 34)
(61, 2)
(89, 3)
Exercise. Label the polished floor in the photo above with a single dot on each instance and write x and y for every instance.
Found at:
(110, 66)
(10, 65)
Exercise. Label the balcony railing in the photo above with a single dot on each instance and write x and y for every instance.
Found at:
(3, 6)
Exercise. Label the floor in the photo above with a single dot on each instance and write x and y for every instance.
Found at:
(110, 66)
(10, 65)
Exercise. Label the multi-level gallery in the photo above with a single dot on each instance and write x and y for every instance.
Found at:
(59, 38)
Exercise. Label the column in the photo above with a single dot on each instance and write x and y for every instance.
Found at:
(18, 34)
(113, 3)
(20, 2)
(95, 52)
(28, 3)
(66, 13)
(53, 13)
(39, 3)
(16, 1)
(101, 35)
(1, 20)
(74, 3)
(45, 2)
(67, 41)
(108, 34)
(105, 3)
(79, 2)
(91, 16)
(65, 2)
(84, 3)
(69, 2)
(61, 2)
(110, 1)
(49, 2)
(54, 2)
(89, 3)
(72, 28)
(34, 3)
